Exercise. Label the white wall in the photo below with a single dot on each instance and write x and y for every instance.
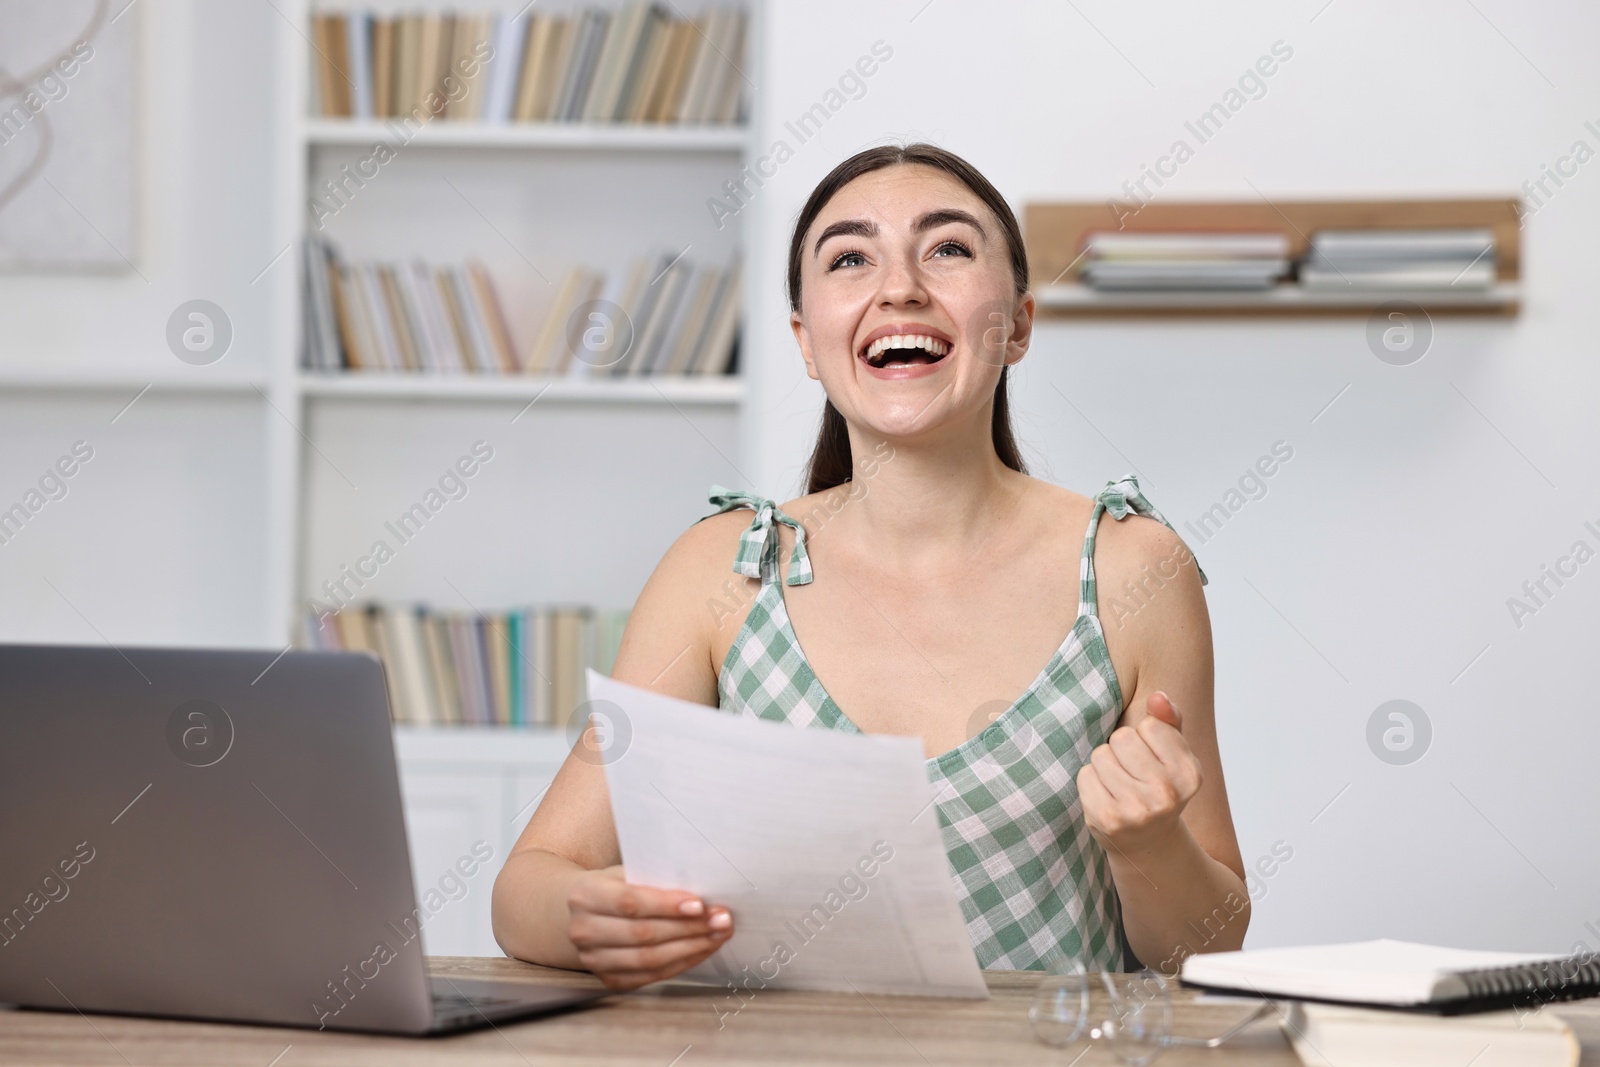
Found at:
(161, 538)
(208, 97)
(1405, 519)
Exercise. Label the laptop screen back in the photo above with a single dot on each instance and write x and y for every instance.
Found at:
(205, 833)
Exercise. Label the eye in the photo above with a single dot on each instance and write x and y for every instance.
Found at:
(952, 248)
(847, 259)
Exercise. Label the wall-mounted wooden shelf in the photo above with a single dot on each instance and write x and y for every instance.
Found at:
(1055, 234)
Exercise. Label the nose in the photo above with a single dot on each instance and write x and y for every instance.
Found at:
(902, 284)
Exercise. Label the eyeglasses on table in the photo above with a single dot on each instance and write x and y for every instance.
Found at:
(1131, 1013)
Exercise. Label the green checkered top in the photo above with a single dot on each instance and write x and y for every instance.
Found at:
(1032, 883)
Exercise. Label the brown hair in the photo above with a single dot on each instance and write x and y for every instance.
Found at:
(830, 462)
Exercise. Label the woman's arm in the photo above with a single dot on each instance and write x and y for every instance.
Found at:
(560, 899)
(1153, 795)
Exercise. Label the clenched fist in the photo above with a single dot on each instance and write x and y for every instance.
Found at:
(1135, 786)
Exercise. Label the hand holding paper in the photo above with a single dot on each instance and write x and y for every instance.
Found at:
(632, 935)
(826, 847)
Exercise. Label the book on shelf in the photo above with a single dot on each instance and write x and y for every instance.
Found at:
(1400, 259)
(642, 63)
(523, 667)
(1183, 245)
(1464, 275)
(1398, 246)
(677, 317)
(1186, 274)
(1184, 260)
(500, 92)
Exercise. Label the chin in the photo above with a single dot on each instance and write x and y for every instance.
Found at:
(916, 412)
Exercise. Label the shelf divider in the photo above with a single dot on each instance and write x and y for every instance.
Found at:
(677, 389)
(442, 133)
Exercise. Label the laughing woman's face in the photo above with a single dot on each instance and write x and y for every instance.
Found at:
(908, 304)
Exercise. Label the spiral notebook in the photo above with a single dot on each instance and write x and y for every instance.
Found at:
(1398, 974)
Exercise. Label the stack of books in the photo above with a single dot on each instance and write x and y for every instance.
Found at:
(675, 319)
(663, 316)
(1400, 259)
(638, 64)
(1179, 260)
(1398, 1004)
(518, 668)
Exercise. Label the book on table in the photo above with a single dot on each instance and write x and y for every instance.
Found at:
(1324, 1035)
(1398, 1004)
(1397, 975)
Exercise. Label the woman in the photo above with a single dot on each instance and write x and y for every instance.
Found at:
(936, 579)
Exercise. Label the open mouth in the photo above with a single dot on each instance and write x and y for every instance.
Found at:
(904, 349)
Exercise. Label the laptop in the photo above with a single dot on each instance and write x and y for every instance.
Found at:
(218, 835)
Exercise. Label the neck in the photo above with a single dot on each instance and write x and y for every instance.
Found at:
(926, 500)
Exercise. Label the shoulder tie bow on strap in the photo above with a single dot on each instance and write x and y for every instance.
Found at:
(758, 545)
(1124, 497)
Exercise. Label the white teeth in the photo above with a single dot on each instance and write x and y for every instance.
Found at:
(907, 340)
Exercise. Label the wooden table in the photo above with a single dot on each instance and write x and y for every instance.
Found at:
(672, 1025)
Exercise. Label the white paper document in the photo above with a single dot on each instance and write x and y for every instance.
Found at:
(825, 846)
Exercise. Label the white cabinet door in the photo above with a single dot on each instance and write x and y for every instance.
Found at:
(458, 831)
(468, 793)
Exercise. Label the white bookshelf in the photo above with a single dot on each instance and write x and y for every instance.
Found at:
(592, 477)
(550, 194)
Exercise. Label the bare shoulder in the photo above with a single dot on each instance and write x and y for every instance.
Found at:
(678, 613)
(702, 556)
(713, 537)
(1148, 585)
(1123, 547)
(1135, 541)
(1145, 552)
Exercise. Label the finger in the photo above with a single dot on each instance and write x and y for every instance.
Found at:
(629, 980)
(1093, 794)
(1182, 766)
(1167, 744)
(613, 896)
(1153, 788)
(1161, 706)
(672, 957)
(1135, 755)
(1117, 781)
(596, 930)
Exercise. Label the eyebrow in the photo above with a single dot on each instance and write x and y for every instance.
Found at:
(867, 228)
